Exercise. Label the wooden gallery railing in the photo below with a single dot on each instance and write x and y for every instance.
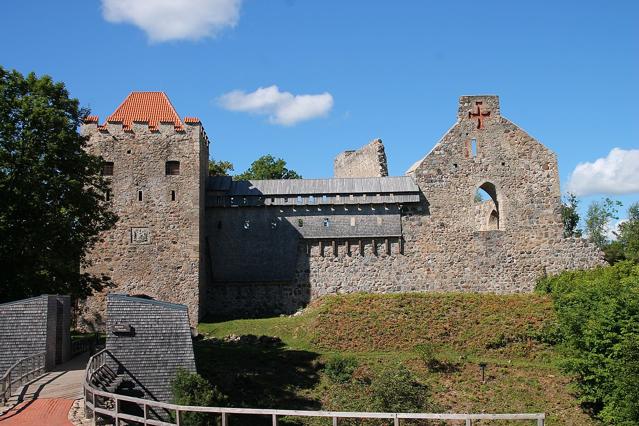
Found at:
(21, 372)
(109, 405)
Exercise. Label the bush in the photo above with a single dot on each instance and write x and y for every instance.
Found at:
(397, 390)
(427, 354)
(192, 389)
(340, 368)
(598, 322)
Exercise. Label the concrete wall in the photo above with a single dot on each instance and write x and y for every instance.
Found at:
(158, 345)
(30, 326)
(157, 246)
(368, 161)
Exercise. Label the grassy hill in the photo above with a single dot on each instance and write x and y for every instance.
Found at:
(462, 330)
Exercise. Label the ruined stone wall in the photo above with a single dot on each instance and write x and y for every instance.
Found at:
(446, 246)
(368, 161)
(156, 248)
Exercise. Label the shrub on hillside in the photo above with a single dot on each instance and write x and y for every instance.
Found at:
(397, 390)
(340, 368)
(192, 389)
(598, 326)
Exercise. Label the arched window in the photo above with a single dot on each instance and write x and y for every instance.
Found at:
(487, 211)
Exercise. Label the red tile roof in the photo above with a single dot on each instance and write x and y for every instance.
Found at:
(147, 107)
(192, 120)
(91, 119)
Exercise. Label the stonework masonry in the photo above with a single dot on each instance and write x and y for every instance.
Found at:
(368, 161)
(156, 247)
(260, 247)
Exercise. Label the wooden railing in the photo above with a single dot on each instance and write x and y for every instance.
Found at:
(23, 371)
(107, 404)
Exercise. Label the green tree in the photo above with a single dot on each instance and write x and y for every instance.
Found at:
(598, 218)
(220, 168)
(570, 216)
(267, 167)
(53, 206)
(629, 234)
(598, 319)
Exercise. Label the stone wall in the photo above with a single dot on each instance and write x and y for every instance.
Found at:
(368, 161)
(446, 246)
(157, 246)
(30, 326)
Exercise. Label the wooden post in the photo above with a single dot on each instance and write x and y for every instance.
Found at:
(274, 419)
(469, 422)
(334, 421)
(396, 420)
(348, 248)
(388, 247)
(540, 422)
(177, 416)
(334, 248)
(321, 248)
(361, 248)
(224, 420)
(375, 247)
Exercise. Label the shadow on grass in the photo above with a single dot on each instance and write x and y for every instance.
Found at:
(258, 374)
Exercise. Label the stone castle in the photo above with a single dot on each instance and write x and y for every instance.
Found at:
(227, 247)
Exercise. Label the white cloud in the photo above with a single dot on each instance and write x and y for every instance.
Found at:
(281, 107)
(618, 173)
(164, 20)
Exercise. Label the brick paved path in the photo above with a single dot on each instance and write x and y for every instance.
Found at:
(47, 400)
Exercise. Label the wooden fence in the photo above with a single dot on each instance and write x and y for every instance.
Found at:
(107, 404)
(23, 371)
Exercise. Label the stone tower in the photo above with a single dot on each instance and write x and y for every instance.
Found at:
(157, 165)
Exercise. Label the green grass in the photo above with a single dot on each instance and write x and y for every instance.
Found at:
(382, 330)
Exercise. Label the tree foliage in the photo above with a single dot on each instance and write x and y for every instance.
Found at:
(570, 216)
(268, 167)
(220, 168)
(192, 389)
(598, 315)
(53, 204)
(628, 236)
(598, 218)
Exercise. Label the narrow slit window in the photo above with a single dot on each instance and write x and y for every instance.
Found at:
(352, 221)
(473, 147)
(172, 195)
(107, 168)
(172, 168)
(107, 195)
(327, 222)
(139, 195)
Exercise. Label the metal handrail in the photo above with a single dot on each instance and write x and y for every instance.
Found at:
(16, 373)
(98, 361)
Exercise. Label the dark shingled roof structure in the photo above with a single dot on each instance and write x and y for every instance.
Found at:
(159, 343)
(30, 326)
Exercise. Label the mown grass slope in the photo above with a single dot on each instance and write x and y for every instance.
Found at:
(505, 331)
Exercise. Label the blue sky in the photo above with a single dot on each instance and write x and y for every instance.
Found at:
(566, 71)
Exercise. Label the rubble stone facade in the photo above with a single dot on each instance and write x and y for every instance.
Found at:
(272, 246)
(368, 161)
(158, 175)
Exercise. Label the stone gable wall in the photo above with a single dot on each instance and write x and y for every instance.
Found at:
(156, 247)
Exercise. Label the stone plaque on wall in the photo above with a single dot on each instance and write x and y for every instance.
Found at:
(140, 236)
